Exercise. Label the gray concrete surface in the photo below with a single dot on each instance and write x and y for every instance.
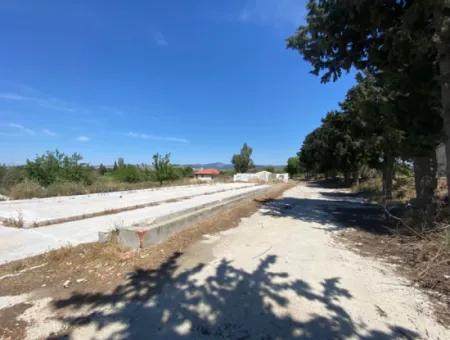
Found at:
(45, 211)
(21, 243)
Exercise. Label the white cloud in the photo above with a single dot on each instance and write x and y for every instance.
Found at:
(159, 39)
(83, 139)
(153, 137)
(12, 96)
(31, 95)
(21, 128)
(48, 132)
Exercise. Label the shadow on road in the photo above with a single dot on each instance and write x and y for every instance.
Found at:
(338, 208)
(228, 303)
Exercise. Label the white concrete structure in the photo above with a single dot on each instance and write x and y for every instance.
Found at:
(44, 211)
(262, 176)
(281, 177)
(18, 243)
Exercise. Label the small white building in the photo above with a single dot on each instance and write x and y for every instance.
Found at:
(206, 175)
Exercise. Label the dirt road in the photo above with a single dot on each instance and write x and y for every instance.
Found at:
(279, 275)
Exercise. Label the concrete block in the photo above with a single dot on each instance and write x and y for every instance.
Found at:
(105, 236)
(160, 229)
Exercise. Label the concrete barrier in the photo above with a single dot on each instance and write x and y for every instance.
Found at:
(158, 230)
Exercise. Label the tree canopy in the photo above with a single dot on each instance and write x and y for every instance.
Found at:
(400, 105)
(242, 161)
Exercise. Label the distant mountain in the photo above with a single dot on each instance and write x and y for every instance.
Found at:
(217, 165)
(226, 166)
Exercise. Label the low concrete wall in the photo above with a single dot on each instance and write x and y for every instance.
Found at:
(162, 228)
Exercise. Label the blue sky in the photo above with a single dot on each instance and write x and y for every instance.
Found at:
(193, 78)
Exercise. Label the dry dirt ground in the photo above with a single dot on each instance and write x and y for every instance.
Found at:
(280, 273)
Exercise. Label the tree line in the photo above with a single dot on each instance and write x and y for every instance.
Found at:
(400, 106)
(56, 173)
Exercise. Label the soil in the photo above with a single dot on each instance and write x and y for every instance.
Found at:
(425, 262)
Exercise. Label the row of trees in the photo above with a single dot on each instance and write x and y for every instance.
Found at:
(55, 166)
(400, 107)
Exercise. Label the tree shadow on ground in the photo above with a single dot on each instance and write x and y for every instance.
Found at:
(327, 183)
(340, 209)
(228, 303)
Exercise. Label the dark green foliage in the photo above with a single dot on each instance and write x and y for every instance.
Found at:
(102, 170)
(242, 161)
(334, 146)
(129, 173)
(400, 102)
(56, 166)
(293, 167)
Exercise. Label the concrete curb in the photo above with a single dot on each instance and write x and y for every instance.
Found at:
(159, 230)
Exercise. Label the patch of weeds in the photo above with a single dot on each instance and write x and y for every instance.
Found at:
(15, 222)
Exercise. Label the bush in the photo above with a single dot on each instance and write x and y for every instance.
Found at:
(371, 186)
(128, 173)
(10, 176)
(26, 189)
(56, 166)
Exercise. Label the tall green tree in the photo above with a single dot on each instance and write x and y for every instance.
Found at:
(162, 167)
(392, 40)
(242, 161)
(293, 167)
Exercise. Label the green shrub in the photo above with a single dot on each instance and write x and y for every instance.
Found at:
(128, 173)
(56, 166)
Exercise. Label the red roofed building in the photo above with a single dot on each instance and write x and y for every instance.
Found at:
(206, 174)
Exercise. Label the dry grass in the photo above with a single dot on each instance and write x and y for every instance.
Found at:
(402, 189)
(14, 222)
(424, 256)
(30, 189)
(26, 189)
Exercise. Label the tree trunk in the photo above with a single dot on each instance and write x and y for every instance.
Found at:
(425, 169)
(346, 178)
(356, 175)
(388, 174)
(442, 40)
